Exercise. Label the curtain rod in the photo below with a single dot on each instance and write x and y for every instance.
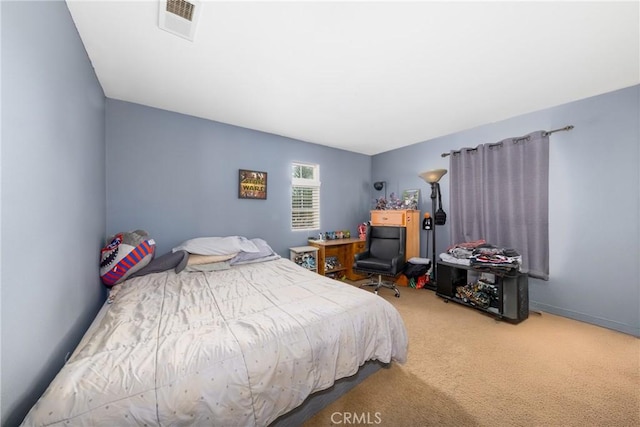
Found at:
(549, 132)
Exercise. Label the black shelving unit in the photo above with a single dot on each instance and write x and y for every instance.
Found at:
(511, 302)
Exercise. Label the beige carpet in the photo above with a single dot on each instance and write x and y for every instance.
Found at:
(467, 369)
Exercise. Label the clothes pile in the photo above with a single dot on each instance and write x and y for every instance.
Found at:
(462, 251)
(485, 257)
(418, 270)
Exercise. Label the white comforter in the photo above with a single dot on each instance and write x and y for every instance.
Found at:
(233, 347)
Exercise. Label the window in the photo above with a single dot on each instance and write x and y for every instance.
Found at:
(305, 197)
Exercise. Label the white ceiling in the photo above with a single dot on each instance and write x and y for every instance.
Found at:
(366, 77)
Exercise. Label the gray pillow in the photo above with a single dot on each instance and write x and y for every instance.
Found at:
(176, 260)
(264, 253)
(217, 245)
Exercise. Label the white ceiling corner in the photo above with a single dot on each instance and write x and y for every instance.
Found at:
(366, 77)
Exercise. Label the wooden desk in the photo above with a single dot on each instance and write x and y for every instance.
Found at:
(344, 250)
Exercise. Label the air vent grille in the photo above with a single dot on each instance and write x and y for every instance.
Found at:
(179, 17)
(182, 8)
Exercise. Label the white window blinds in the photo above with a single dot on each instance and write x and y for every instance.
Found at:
(305, 197)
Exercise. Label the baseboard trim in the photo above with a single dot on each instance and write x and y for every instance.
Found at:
(605, 323)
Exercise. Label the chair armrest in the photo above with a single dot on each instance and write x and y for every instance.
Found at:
(362, 255)
(397, 263)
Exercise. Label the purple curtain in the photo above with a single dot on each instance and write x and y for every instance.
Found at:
(500, 193)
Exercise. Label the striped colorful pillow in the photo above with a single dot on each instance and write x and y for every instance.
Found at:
(125, 254)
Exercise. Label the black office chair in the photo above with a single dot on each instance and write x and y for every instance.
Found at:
(384, 255)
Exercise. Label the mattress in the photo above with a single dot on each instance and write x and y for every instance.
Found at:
(240, 346)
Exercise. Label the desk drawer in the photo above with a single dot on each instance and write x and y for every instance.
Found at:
(359, 247)
(394, 218)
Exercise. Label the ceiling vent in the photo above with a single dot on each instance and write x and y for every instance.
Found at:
(179, 17)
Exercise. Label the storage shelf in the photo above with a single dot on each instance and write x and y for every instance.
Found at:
(512, 296)
(298, 253)
(490, 310)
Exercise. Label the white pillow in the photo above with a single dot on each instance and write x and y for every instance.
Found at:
(195, 259)
(217, 245)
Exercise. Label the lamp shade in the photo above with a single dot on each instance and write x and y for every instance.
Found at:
(433, 176)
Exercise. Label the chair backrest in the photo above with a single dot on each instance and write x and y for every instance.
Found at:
(386, 242)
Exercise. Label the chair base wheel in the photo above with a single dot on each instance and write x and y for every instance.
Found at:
(380, 284)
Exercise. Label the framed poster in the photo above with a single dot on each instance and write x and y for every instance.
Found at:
(410, 199)
(252, 184)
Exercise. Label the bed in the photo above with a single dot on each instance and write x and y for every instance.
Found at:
(241, 346)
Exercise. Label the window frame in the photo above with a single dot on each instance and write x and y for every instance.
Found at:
(314, 184)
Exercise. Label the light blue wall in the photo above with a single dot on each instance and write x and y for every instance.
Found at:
(176, 176)
(53, 197)
(594, 202)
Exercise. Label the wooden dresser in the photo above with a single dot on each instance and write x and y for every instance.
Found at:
(410, 219)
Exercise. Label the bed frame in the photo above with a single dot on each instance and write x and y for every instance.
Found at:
(319, 400)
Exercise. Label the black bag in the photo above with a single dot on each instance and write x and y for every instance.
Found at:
(440, 217)
(415, 270)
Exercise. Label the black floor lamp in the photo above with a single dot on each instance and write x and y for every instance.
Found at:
(439, 217)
